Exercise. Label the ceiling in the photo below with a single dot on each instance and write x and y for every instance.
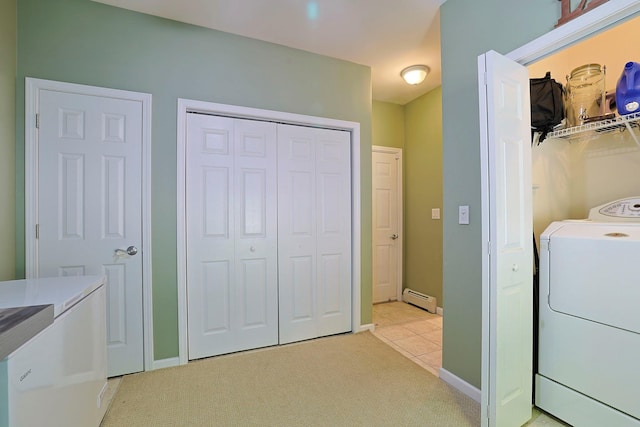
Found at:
(387, 35)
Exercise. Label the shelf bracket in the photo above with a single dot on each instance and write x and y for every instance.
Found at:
(632, 132)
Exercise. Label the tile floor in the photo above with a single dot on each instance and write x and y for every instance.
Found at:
(417, 334)
(412, 331)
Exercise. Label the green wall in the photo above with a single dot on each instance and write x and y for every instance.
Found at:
(417, 128)
(90, 43)
(387, 124)
(7, 137)
(423, 191)
(468, 29)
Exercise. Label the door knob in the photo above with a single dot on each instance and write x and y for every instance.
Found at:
(394, 236)
(131, 251)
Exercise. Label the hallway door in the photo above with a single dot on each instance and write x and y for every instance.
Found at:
(387, 223)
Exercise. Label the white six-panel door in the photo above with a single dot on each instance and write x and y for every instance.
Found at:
(314, 232)
(507, 206)
(386, 236)
(231, 235)
(89, 206)
(268, 214)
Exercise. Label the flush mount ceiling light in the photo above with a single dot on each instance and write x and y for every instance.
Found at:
(415, 74)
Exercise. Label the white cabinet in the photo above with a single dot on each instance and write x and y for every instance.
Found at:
(268, 233)
(59, 377)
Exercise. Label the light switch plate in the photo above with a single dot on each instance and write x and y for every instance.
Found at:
(463, 214)
(435, 213)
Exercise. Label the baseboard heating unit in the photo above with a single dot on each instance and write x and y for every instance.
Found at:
(419, 299)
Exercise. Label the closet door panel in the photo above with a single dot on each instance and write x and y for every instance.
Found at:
(334, 231)
(210, 224)
(314, 197)
(253, 291)
(302, 214)
(231, 235)
(301, 295)
(214, 202)
(256, 233)
(296, 234)
(215, 297)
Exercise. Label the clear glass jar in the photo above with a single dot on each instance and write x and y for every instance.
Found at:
(584, 94)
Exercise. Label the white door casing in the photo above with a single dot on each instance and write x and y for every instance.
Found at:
(268, 243)
(387, 238)
(184, 107)
(314, 232)
(231, 224)
(508, 259)
(85, 176)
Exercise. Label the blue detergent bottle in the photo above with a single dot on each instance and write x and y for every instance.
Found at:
(628, 89)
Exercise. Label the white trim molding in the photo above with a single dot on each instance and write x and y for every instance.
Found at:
(32, 107)
(367, 327)
(165, 363)
(598, 19)
(460, 385)
(188, 105)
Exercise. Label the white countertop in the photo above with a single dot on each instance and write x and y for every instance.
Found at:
(61, 292)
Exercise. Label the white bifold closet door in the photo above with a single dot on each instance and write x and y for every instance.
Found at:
(232, 276)
(314, 232)
(268, 233)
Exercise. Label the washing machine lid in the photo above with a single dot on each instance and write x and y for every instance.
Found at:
(594, 272)
(62, 292)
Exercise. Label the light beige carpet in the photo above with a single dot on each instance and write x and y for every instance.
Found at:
(345, 380)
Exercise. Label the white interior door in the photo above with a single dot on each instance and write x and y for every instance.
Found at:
(89, 206)
(387, 238)
(508, 263)
(314, 232)
(232, 283)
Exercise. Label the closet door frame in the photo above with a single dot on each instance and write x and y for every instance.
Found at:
(186, 106)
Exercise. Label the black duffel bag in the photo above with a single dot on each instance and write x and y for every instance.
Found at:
(547, 105)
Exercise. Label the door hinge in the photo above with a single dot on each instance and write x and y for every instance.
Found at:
(37, 231)
(37, 121)
(489, 247)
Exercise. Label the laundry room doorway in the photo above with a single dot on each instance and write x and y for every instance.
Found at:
(496, 350)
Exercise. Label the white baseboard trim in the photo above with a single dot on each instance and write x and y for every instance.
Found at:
(165, 363)
(460, 385)
(440, 311)
(363, 328)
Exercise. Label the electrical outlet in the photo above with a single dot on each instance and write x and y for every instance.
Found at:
(463, 214)
(435, 213)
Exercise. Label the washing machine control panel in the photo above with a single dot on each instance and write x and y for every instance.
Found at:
(623, 210)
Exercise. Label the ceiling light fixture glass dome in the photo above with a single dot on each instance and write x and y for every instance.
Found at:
(415, 74)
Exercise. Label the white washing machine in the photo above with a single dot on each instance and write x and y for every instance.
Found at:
(589, 319)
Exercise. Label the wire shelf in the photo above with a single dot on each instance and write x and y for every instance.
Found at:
(630, 122)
